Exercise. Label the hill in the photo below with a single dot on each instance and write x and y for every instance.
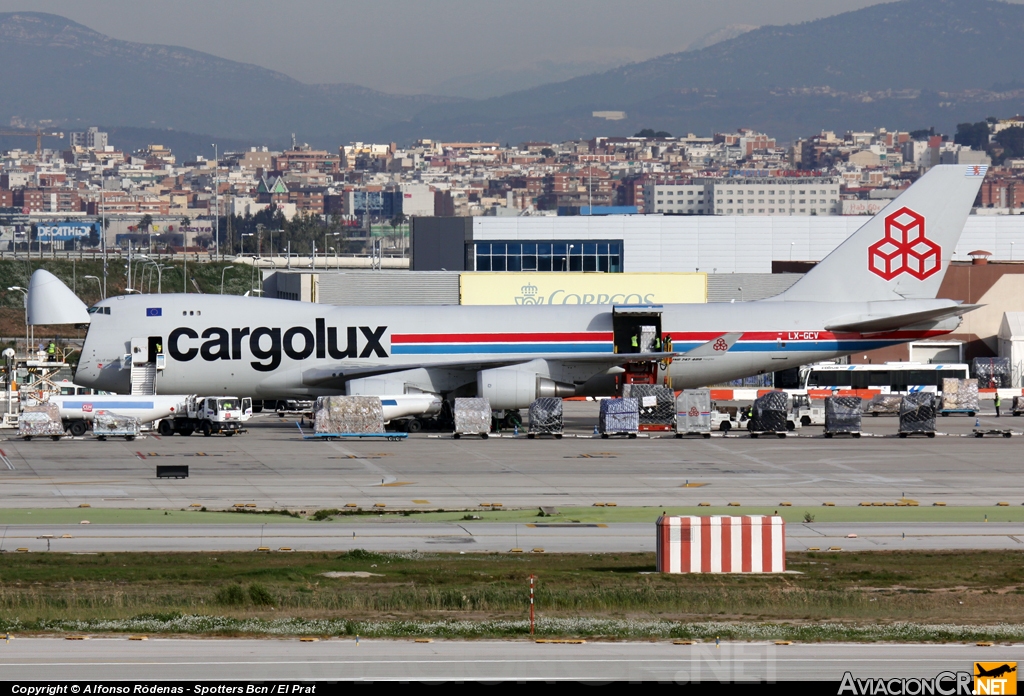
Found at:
(906, 65)
(63, 73)
(902, 64)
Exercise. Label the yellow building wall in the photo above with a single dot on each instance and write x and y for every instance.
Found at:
(582, 288)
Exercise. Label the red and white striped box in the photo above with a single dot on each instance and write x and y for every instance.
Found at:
(721, 544)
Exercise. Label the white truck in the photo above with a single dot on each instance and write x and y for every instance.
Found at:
(209, 415)
(806, 412)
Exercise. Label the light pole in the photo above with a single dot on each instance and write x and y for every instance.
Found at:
(103, 237)
(99, 285)
(216, 199)
(25, 293)
(259, 238)
(159, 276)
(222, 272)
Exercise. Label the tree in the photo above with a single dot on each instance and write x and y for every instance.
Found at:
(547, 152)
(186, 221)
(651, 133)
(145, 223)
(922, 134)
(1012, 140)
(972, 135)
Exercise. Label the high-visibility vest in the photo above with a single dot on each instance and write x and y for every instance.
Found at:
(636, 344)
(51, 349)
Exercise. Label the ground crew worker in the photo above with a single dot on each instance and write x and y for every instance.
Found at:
(159, 347)
(635, 342)
(998, 404)
(668, 343)
(51, 352)
(657, 344)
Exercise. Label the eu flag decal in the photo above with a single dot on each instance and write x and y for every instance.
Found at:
(154, 312)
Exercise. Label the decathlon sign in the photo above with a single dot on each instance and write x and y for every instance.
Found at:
(64, 231)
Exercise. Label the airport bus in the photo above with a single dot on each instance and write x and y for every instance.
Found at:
(893, 377)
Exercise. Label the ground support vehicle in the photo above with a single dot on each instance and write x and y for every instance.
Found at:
(805, 412)
(982, 432)
(965, 411)
(330, 437)
(208, 415)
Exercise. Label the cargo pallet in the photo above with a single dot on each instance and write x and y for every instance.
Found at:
(927, 434)
(851, 433)
(390, 437)
(533, 436)
(705, 435)
(781, 434)
(982, 432)
(483, 436)
(624, 433)
(966, 411)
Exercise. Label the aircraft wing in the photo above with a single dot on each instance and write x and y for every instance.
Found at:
(340, 375)
(868, 323)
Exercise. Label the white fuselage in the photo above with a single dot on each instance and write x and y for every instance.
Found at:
(269, 348)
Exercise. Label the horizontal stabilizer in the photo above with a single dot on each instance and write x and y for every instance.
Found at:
(717, 346)
(868, 323)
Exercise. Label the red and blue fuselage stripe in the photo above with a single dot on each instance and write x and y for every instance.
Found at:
(601, 342)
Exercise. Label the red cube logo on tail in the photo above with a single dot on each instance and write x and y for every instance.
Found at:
(904, 249)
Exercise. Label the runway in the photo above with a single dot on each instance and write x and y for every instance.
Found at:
(484, 537)
(107, 659)
(272, 466)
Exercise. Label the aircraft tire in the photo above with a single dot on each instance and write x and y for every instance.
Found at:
(207, 430)
(166, 428)
(414, 426)
(78, 428)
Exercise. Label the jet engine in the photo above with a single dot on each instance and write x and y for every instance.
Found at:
(509, 388)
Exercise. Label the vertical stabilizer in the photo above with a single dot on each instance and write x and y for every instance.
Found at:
(903, 252)
(51, 302)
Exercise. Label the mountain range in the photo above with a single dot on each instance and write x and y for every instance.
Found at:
(906, 64)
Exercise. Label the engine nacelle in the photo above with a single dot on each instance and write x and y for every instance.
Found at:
(509, 388)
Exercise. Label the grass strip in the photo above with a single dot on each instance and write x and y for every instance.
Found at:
(614, 629)
(40, 590)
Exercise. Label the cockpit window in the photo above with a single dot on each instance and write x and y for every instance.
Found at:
(99, 310)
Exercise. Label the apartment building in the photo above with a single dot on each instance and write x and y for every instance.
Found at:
(746, 196)
(775, 196)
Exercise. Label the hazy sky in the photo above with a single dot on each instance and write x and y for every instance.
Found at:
(420, 45)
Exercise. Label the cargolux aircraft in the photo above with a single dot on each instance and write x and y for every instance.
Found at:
(876, 289)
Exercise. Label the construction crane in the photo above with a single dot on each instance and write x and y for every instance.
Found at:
(38, 135)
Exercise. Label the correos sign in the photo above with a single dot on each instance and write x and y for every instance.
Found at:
(582, 288)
